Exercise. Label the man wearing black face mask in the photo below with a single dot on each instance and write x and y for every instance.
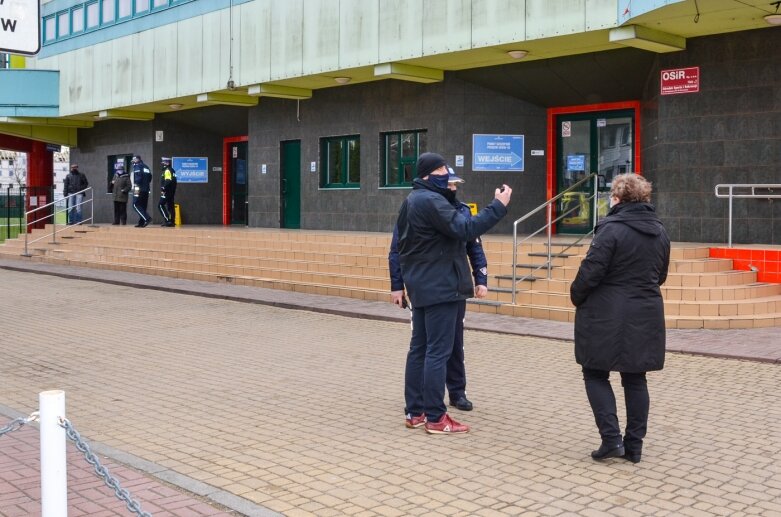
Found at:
(437, 277)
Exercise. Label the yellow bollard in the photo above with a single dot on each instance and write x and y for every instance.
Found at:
(177, 215)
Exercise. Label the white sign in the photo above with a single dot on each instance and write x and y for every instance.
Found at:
(601, 122)
(459, 160)
(538, 152)
(158, 136)
(566, 128)
(263, 169)
(313, 167)
(20, 29)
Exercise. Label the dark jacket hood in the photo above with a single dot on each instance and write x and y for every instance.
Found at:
(641, 217)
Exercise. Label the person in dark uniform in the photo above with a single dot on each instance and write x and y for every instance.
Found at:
(436, 274)
(167, 192)
(142, 182)
(456, 370)
(619, 316)
(120, 187)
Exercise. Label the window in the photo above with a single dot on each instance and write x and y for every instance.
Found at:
(124, 9)
(107, 9)
(63, 24)
(142, 6)
(78, 19)
(159, 3)
(5, 60)
(50, 29)
(340, 162)
(93, 15)
(400, 151)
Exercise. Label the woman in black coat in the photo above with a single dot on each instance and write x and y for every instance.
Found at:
(619, 320)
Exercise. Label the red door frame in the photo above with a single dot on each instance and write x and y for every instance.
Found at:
(226, 176)
(585, 108)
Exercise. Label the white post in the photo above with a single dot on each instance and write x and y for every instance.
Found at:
(54, 482)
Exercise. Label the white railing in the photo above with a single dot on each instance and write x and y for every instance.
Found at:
(41, 214)
(548, 206)
(745, 191)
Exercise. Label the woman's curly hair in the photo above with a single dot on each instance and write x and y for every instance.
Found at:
(631, 188)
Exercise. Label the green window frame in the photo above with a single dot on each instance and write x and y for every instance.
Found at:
(400, 151)
(340, 162)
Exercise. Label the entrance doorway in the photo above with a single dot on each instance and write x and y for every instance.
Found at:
(290, 184)
(602, 141)
(235, 181)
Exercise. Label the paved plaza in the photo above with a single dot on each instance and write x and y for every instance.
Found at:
(269, 411)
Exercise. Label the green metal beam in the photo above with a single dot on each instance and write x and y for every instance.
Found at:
(49, 134)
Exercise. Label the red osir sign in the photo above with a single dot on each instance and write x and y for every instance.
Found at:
(681, 80)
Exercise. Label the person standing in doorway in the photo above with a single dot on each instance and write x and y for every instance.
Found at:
(167, 192)
(73, 189)
(142, 182)
(121, 188)
(431, 241)
(456, 369)
(619, 315)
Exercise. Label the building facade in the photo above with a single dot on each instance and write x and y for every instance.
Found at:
(311, 113)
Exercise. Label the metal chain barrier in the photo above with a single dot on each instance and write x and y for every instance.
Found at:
(18, 423)
(111, 482)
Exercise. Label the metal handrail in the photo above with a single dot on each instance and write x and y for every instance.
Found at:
(53, 217)
(751, 194)
(548, 205)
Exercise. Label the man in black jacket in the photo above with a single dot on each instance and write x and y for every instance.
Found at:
(74, 185)
(436, 274)
(456, 370)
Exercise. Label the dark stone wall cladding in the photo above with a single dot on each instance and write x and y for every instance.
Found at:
(450, 111)
(199, 203)
(728, 132)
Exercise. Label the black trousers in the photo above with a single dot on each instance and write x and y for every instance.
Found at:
(456, 371)
(603, 404)
(120, 212)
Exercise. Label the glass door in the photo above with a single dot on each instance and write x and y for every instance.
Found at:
(238, 187)
(600, 142)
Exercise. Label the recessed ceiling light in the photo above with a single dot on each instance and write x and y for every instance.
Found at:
(517, 54)
(175, 106)
(773, 19)
(342, 80)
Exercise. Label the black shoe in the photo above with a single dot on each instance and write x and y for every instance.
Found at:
(634, 458)
(145, 223)
(170, 224)
(139, 225)
(608, 451)
(461, 403)
(114, 224)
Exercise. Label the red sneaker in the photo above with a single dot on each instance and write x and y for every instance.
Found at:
(446, 425)
(413, 422)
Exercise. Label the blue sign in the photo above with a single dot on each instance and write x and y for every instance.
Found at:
(191, 170)
(497, 152)
(576, 162)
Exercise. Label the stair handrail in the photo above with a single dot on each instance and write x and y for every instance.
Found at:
(751, 194)
(53, 216)
(548, 206)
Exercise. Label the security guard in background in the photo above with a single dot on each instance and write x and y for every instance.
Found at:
(167, 192)
(142, 182)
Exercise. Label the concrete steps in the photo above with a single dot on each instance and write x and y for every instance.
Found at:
(701, 292)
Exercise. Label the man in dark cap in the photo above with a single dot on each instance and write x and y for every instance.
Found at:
(456, 370)
(432, 233)
(142, 182)
(73, 189)
(167, 192)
